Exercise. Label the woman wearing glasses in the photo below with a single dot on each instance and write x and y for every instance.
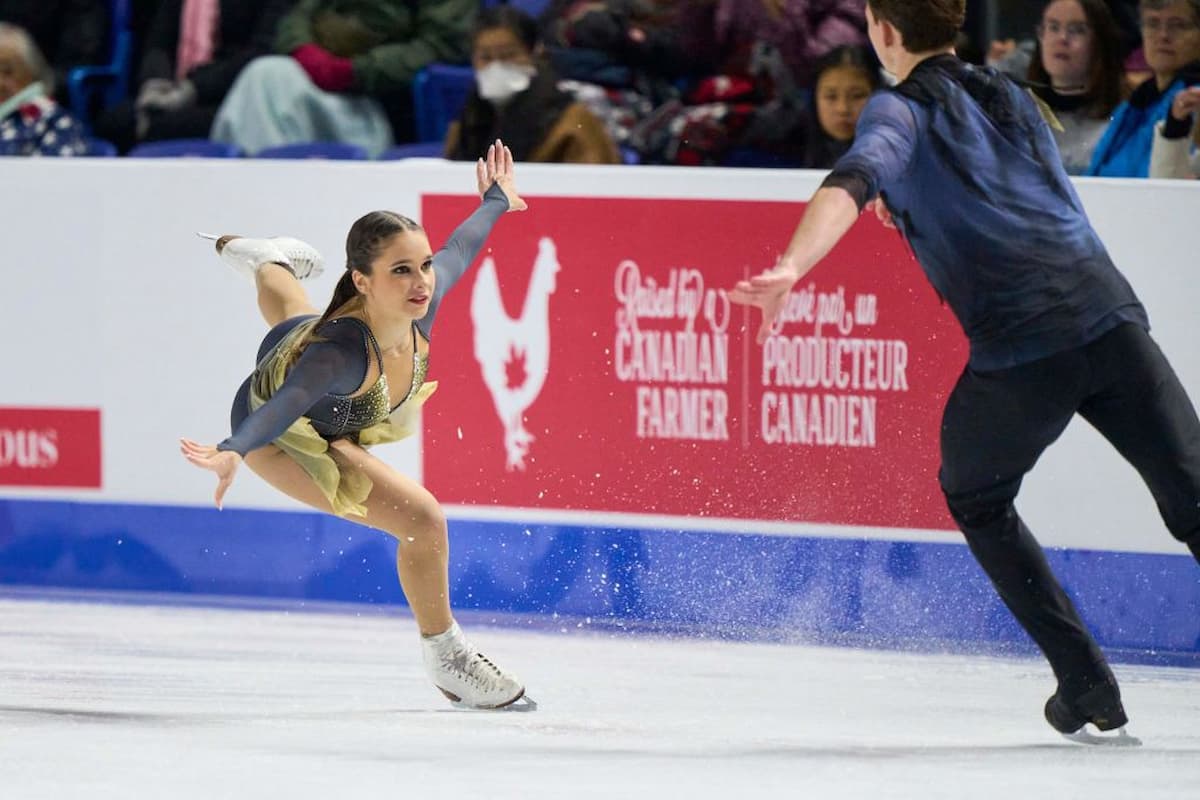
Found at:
(1171, 40)
(1076, 71)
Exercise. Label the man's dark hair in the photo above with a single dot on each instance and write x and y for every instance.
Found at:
(923, 24)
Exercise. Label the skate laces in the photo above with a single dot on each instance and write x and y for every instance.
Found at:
(473, 667)
(306, 261)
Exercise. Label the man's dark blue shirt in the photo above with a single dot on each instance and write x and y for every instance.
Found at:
(970, 173)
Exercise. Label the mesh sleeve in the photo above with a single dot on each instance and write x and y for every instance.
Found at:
(885, 140)
(451, 262)
(336, 365)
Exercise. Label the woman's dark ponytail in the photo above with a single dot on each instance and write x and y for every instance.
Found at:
(366, 239)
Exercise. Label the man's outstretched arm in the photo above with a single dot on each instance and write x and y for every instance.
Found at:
(883, 148)
(828, 216)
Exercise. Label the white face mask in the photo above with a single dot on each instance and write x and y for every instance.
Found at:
(500, 80)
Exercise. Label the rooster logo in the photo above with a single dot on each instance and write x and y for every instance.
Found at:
(514, 354)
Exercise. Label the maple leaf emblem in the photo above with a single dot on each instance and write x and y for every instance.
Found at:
(514, 368)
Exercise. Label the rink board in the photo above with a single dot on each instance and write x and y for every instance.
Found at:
(861, 592)
(666, 471)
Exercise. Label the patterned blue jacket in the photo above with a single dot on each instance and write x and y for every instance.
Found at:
(31, 124)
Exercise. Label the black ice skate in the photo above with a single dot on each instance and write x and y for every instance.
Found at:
(1098, 708)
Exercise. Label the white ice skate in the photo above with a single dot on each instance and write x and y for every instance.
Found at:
(246, 255)
(467, 677)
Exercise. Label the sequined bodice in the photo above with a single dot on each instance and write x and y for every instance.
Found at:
(338, 415)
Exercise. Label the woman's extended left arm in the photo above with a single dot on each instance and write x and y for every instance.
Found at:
(497, 186)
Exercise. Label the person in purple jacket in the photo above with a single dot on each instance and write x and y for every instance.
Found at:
(329, 385)
(960, 160)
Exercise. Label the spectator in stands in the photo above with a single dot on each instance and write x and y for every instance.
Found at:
(193, 52)
(31, 123)
(760, 58)
(620, 58)
(1175, 154)
(845, 79)
(1171, 38)
(517, 99)
(68, 33)
(630, 44)
(347, 73)
(824, 128)
(1076, 70)
(1015, 58)
(801, 31)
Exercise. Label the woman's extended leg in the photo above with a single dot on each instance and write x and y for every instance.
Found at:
(397, 505)
(406, 510)
(280, 295)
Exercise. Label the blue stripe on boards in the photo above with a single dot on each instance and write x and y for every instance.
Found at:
(874, 593)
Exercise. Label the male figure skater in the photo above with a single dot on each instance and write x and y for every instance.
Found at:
(958, 158)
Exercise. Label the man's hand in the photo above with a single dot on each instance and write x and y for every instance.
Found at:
(881, 212)
(768, 292)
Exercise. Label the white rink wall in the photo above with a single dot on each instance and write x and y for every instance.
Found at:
(113, 303)
(124, 333)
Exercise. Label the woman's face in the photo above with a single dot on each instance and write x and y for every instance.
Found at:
(1068, 43)
(841, 94)
(402, 278)
(499, 44)
(14, 72)
(1171, 37)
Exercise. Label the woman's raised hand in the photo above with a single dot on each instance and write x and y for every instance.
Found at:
(222, 462)
(498, 168)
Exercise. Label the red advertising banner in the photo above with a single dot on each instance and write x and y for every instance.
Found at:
(591, 360)
(53, 447)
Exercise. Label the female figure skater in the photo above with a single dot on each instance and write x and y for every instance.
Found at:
(329, 385)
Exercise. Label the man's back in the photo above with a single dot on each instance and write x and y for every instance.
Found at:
(971, 174)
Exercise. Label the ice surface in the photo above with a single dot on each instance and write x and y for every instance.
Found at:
(131, 701)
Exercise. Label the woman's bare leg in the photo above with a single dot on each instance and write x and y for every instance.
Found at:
(397, 505)
(403, 508)
(280, 295)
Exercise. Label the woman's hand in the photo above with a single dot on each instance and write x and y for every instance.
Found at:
(222, 462)
(498, 168)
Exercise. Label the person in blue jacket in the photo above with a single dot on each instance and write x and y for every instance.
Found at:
(960, 160)
(1171, 38)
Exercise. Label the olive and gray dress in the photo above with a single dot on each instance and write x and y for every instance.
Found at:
(301, 402)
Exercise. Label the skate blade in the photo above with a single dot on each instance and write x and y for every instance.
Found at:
(1089, 734)
(522, 703)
